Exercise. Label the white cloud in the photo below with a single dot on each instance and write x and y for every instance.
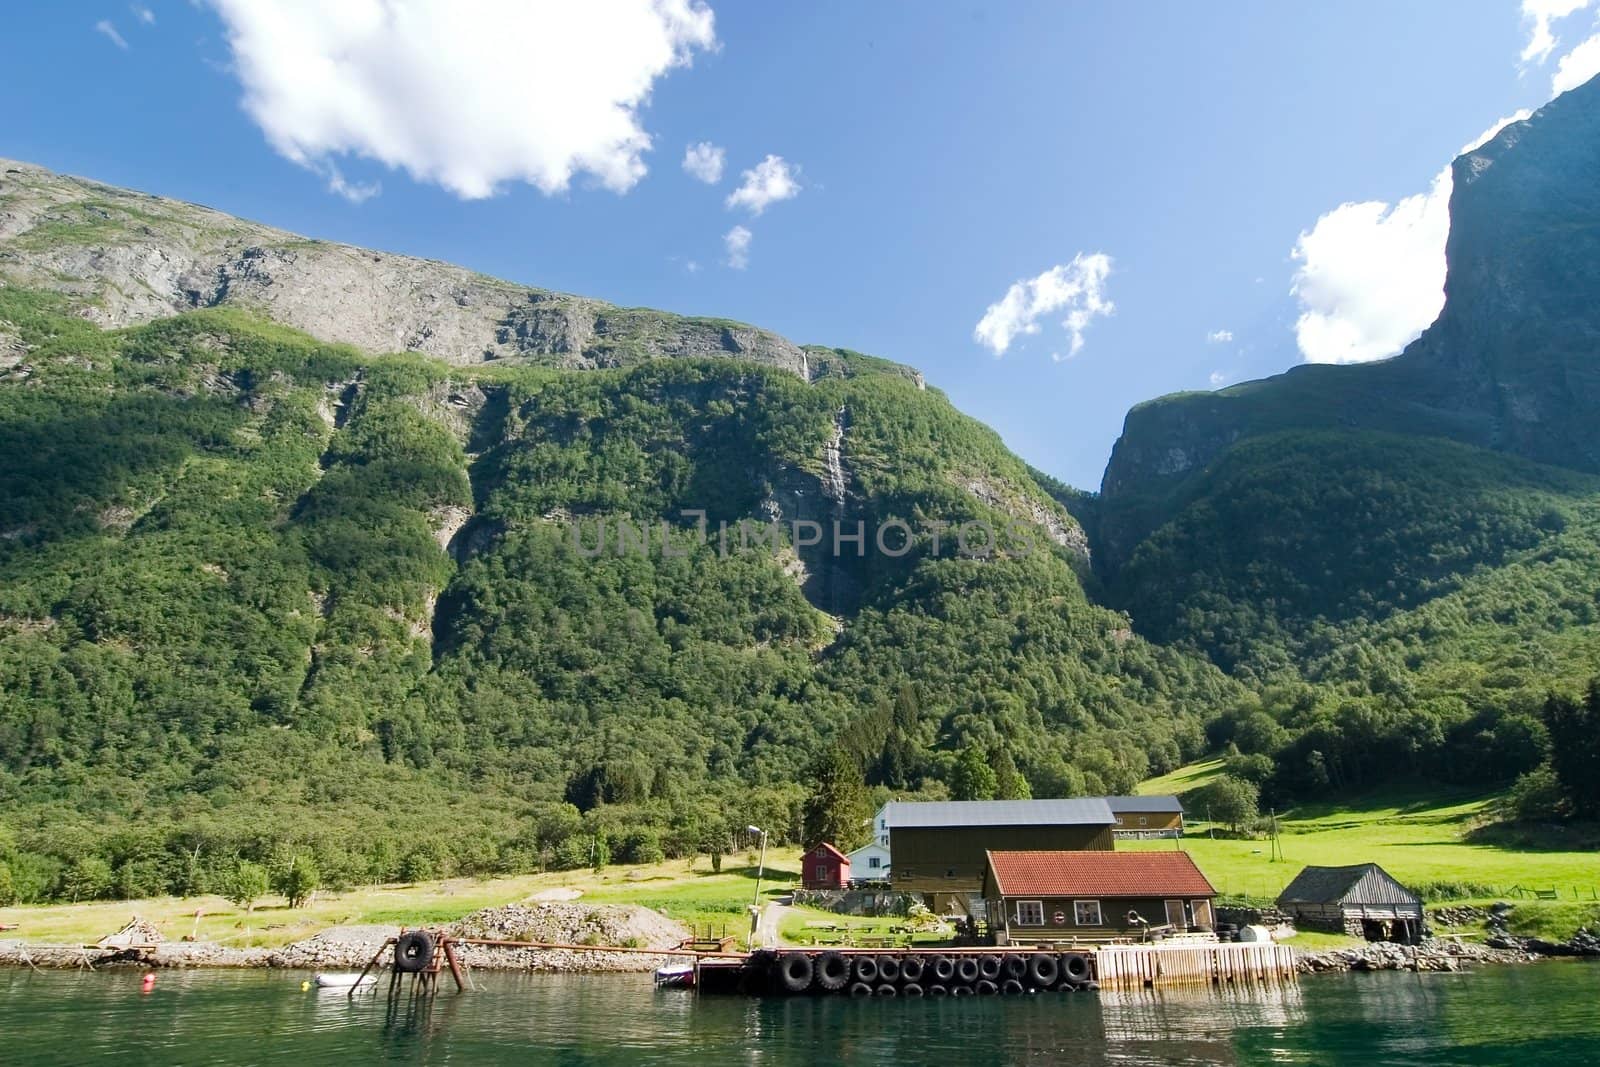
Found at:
(355, 192)
(467, 94)
(766, 183)
(1577, 66)
(143, 14)
(1078, 287)
(1218, 379)
(1219, 337)
(737, 243)
(1542, 13)
(704, 162)
(1371, 275)
(105, 27)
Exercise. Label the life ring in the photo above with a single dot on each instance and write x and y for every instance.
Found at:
(1134, 918)
(1059, 918)
(795, 971)
(413, 951)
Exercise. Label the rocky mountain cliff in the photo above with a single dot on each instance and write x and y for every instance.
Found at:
(1512, 364)
(125, 257)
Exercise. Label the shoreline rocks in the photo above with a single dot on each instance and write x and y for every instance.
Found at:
(353, 947)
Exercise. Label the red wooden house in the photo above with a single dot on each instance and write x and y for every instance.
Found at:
(824, 867)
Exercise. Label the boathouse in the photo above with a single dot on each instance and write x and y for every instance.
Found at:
(940, 848)
(824, 867)
(1362, 900)
(1146, 817)
(1093, 896)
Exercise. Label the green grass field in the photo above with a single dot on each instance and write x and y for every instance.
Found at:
(690, 893)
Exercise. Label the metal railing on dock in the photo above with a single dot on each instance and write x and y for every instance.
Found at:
(1138, 966)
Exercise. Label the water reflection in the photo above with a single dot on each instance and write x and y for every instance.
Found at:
(1534, 1015)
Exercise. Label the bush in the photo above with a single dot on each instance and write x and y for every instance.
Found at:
(1537, 794)
(245, 884)
(296, 880)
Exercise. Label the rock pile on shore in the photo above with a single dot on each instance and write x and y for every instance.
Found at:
(1432, 955)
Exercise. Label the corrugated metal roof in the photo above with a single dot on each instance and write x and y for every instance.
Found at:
(1136, 805)
(1079, 811)
(1361, 883)
(1098, 874)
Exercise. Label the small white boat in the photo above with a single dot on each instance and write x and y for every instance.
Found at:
(675, 976)
(347, 980)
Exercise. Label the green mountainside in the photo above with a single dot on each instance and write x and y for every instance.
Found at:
(261, 593)
(1399, 558)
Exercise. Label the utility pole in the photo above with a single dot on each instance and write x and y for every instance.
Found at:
(761, 867)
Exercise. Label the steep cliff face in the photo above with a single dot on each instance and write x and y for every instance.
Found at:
(126, 257)
(1512, 364)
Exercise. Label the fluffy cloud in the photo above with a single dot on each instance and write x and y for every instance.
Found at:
(1541, 13)
(737, 243)
(107, 30)
(1077, 287)
(1218, 379)
(704, 162)
(1371, 275)
(766, 183)
(1577, 66)
(467, 94)
(1219, 337)
(143, 14)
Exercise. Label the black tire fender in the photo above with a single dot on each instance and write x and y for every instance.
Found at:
(832, 971)
(860, 989)
(911, 969)
(986, 988)
(967, 970)
(943, 968)
(1043, 970)
(911, 989)
(1013, 966)
(989, 967)
(866, 969)
(795, 971)
(1075, 967)
(1011, 987)
(937, 990)
(413, 951)
(888, 968)
(885, 990)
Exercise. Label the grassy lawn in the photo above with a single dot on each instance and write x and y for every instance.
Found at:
(794, 928)
(690, 893)
(1419, 837)
(1191, 776)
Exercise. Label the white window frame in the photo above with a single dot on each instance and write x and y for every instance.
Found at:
(1196, 907)
(1182, 919)
(1038, 904)
(1099, 915)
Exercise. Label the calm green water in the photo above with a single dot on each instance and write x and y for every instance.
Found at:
(1544, 1014)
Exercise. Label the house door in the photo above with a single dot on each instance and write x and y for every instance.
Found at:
(1175, 914)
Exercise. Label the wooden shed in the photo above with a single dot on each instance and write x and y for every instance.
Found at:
(824, 867)
(1362, 900)
(1093, 896)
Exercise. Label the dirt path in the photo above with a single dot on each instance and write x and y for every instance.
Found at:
(772, 916)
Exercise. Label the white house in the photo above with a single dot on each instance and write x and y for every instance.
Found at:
(870, 863)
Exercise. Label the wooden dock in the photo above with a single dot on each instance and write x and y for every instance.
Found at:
(1140, 966)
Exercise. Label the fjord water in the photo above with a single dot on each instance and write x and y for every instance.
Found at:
(1542, 1014)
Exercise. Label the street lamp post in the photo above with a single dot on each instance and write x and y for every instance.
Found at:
(761, 867)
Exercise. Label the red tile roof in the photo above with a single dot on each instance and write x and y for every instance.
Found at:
(1097, 874)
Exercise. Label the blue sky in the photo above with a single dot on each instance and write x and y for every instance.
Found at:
(941, 152)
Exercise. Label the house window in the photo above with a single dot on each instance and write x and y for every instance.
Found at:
(822, 872)
(1202, 912)
(1175, 912)
(1143, 820)
(873, 862)
(1086, 912)
(1030, 913)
